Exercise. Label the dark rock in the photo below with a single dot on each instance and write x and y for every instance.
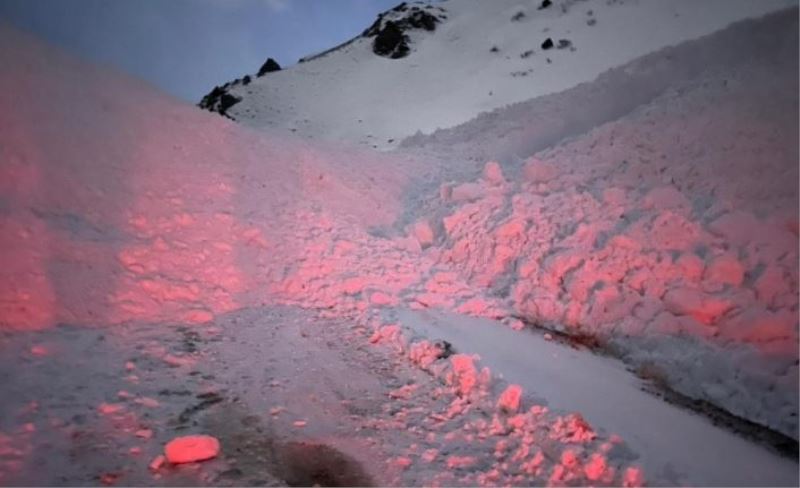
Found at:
(389, 30)
(422, 20)
(415, 19)
(518, 16)
(269, 66)
(246, 80)
(545, 4)
(446, 349)
(227, 101)
(564, 43)
(547, 44)
(219, 101)
(526, 54)
(494, 49)
(391, 42)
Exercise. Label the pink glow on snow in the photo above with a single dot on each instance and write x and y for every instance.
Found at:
(161, 224)
(509, 400)
(465, 374)
(191, 448)
(646, 277)
(119, 215)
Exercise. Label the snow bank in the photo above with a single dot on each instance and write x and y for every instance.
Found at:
(674, 227)
(118, 203)
(674, 446)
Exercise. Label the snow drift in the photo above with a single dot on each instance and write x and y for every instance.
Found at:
(669, 234)
(476, 56)
(665, 229)
(119, 203)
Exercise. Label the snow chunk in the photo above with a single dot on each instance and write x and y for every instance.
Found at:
(760, 325)
(465, 374)
(572, 428)
(537, 171)
(466, 192)
(597, 468)
(703, 308)
(510, 399)
(634, 477)
(424, 234)
(191, 448)
(725, 270)
(493, 173)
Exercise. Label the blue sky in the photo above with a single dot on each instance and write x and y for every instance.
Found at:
(187, 46)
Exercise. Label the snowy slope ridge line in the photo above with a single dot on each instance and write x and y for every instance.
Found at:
(533, 125)
(483, 56)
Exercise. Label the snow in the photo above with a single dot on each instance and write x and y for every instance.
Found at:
(623, 234)
(375, 301)
(451, 75)
(675, 447)
(191, 449)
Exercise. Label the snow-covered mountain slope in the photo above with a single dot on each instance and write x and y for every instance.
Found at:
(125, 209)
(478, 56)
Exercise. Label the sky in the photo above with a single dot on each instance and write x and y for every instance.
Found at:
(186, 47)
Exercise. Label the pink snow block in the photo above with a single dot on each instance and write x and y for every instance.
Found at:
(510, 399)
(761, 325)
(466, 192)
(725, 269)
(536, 171)
(424, 234)
(157, 462)
(633, 477)
(691, 267)
(704, 308)
(596, 468)
(191, 448)
(465, 374)
(493, 173)
(380, 298)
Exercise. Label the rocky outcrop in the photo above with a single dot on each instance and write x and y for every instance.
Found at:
(269, 66)
(390, 38)
(219, 100)
(390, 30)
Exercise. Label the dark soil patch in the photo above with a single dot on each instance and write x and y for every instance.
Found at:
(312, 464)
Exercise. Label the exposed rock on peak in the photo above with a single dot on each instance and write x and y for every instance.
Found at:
(391, 28)
(269, 66)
